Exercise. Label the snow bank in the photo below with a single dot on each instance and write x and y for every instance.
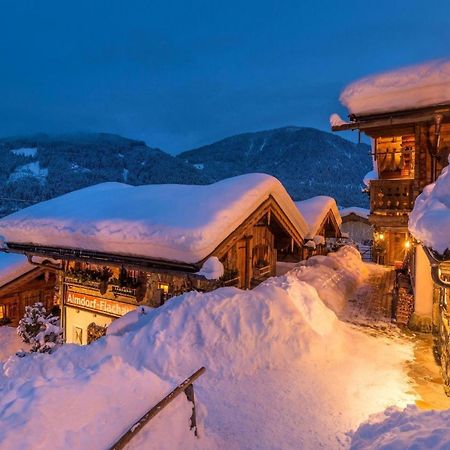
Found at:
(10, 342)
(315, 209)
(408, 429)
(429, 221)
(13, 266)
(279, 373)
(361, 212)
(407, 88)
(174, 222)
(334, 276)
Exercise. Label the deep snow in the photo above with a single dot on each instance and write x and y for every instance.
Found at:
(410, 87)
(176, 222)
(429, 221)
(410, 429)
(282, 371)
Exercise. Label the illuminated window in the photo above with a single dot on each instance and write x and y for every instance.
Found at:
(2, 311)
(164, 288)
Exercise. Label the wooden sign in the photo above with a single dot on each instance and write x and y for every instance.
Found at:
(98, 304)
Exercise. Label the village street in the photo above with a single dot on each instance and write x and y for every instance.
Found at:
(369, 309)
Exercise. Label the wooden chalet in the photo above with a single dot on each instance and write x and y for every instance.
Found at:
(406, 114)
(101, 277)
(323, 219)
(410, 149)
(23, 284)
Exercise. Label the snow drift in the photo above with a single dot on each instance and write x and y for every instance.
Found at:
(429, 221)
(411, 87)
(402, 430)
(282, 372)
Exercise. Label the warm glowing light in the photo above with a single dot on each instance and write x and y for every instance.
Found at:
(164, 288)
(407, 245)
(381, 236)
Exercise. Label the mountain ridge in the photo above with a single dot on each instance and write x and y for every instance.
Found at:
(41, 166)
(306, 161)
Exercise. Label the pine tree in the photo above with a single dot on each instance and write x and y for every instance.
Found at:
(40, 329)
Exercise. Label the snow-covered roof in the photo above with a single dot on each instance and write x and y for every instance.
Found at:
(315, 209)
(13, 266)
(429, 221)
(369, 176)
(172, 222)
(411, 87)
(361, 212)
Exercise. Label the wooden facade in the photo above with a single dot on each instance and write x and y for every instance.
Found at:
(410, 150)
(37, 285)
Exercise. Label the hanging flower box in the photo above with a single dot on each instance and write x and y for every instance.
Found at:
(74, 280)
(123, 290)
(261, 271)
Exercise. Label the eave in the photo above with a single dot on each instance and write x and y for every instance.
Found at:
(97, 257)
(365, 122)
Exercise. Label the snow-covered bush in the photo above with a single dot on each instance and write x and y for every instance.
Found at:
(39, 329)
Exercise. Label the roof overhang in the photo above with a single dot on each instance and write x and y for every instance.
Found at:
(96, 257)
(392, 118)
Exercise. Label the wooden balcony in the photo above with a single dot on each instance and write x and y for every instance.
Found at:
(391, 195)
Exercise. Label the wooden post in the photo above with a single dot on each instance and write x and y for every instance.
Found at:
(189, 391)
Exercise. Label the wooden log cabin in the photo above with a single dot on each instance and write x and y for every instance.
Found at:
(121, 246)
(406, 113)
(410, 148)
(23, 284)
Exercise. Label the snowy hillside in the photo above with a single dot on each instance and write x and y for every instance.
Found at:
(40, 167)
(274, 357)
(307, 161)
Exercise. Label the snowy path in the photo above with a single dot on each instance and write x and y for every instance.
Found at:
(371, 304)
(369, 309)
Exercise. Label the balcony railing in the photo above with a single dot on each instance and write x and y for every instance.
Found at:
(391, 195)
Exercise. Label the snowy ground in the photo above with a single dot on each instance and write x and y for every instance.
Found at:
(10, 343)
(282, 371)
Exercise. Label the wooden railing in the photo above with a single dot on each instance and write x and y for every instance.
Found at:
(187, 387)
(391, 195)
(261, 271)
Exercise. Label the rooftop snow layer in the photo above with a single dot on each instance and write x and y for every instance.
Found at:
(361, 212)
(429, 221)
(172, 222)
(314, 211)
(406, 88)
(13, 266)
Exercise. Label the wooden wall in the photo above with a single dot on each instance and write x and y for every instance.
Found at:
(25, 291)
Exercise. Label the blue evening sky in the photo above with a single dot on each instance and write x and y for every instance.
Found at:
(180, 74)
